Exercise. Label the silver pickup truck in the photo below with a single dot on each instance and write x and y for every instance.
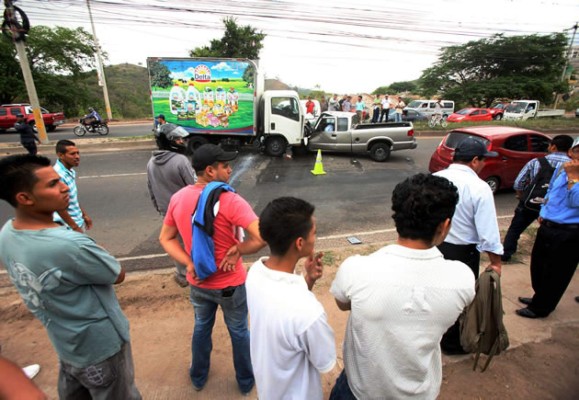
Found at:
(340, 132)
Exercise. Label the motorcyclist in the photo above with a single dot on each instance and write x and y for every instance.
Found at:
(92, 119)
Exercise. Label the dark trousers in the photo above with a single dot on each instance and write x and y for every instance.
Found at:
(521, 220)
(341, 389)
(376, 115)
(30, 147)
(469, 255)
(384, 115)
(553, 263)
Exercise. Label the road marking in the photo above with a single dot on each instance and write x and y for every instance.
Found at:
(342, 235)
(112, 175)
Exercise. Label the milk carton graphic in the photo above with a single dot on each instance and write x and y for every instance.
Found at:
(177, 99)
(208, 96)
(193, 98)
(220, 96)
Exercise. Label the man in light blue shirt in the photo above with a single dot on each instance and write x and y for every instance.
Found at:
(555, 257)
(65, 279)
(73, 216)
(474, 226)
(524, 217)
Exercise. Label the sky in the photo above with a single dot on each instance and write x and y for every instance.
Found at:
(340, 46)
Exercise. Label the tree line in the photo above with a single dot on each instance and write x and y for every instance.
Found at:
(474, 74)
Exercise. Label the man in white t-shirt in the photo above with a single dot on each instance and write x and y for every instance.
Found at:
(401, 299)
(385, 108)
(291, 341)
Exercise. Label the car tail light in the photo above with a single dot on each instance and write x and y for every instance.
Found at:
(411, 132)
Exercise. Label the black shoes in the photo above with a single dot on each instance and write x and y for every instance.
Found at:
(527, 313)
(505, 258)
(526, 300)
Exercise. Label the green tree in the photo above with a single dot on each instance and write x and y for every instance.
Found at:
(479, 72)
(403, 86)
(237, 42)
(58, 56)
(382, 90)
(160, 75)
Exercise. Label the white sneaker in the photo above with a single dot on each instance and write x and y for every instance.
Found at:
(31, 371)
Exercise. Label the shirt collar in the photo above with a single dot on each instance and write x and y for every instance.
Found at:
(63, 168)
(407, 252)
(462, 167)
(280, 276)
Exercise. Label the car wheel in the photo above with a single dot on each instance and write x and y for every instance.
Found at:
(275, 146)
(498, 117)
(50, 128)
(494, 183)
(380, 152)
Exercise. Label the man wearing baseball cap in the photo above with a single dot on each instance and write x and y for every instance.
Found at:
(225, 286)
(555, 257)
(474, 226)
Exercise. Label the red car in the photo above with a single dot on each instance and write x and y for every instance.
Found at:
(515, 146)
(470, 115)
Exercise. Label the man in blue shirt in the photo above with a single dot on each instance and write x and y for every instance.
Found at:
(66, 280)
(73, 216)
(555, 257)
(524, 217)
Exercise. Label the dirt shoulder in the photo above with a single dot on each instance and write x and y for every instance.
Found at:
(542, 363)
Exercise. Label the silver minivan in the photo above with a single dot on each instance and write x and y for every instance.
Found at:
(427, 107)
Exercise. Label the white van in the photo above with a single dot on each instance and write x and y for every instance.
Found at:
(427, 107)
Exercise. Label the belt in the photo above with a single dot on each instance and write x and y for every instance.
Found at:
(565, 227)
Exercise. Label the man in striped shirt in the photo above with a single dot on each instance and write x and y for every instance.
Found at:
(524, 217)
(74, 216)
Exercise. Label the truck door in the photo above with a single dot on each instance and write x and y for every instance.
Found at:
(331, 134)
(285, 118)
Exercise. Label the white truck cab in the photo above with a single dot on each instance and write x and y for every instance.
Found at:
(525, 109)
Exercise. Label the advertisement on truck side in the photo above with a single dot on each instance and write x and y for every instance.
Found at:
(204, 96)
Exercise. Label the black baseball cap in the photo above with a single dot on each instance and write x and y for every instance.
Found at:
(161, 116)
(473, 147)
(209, 154)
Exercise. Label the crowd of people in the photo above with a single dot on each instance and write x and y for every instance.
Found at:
(384, 108)
(403, 300)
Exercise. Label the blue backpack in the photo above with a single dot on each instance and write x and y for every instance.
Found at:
(202, 246)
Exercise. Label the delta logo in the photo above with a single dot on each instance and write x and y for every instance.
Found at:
(202, 73)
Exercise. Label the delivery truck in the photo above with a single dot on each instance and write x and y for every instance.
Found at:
(525, 109)
(224, 101)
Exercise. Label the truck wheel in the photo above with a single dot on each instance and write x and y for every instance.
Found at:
(380, 152)
(50, 128)
(494, 183)
(195, 142)
(275, 146)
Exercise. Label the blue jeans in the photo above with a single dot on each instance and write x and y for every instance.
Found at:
(233, 302)
(341, 390)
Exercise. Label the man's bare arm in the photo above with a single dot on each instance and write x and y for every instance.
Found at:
(343, 306)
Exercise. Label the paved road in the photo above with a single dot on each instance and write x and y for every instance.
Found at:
(353, 197)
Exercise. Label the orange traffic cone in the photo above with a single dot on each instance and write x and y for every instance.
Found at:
(318, 167)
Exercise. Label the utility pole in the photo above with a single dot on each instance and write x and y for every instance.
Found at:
(567, 57)
(101, 69)
(18, 26)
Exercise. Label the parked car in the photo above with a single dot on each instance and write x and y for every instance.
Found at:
(498, 110)
(470, 115)
(410, 116)
(515, 146)
(427, 107)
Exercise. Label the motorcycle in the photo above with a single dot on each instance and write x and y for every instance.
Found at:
(83, 128)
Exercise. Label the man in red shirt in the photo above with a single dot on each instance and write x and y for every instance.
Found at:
(226, 286)
(310, 105)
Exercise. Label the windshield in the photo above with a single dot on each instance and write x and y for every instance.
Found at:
(464, 111)
(454, 138)
(414, 104)
(516, 107)
(500, 106)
